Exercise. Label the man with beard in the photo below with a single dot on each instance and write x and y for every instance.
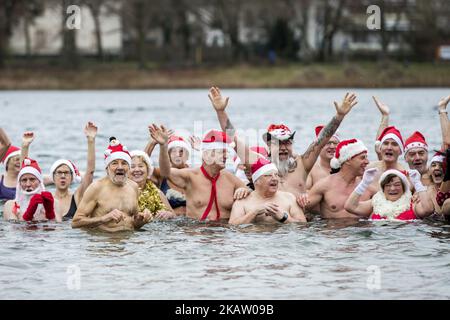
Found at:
(32, 202)
(293, 169)
(322, 166)
(111, 203)
(416, 155)
(210, 191)
(391, 147)
(331, 192)
(266, 204)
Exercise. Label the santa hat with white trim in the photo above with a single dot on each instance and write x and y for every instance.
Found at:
(177, 141)
(11, 152)
(75, 173)
(390, 133)
(416, 140)
(116, 151)
(318, 129)
(279, 132)
(346, 150)
(399, 174)
(261, 167)
(147, 160)
(438, 157)
(32, 167)
(215, 139)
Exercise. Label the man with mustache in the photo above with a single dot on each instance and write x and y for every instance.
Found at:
(266, 204)
(293, 169)
(32, 202)
(111, 203)
(331, 193)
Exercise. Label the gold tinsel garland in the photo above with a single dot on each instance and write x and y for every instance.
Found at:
(149, 199)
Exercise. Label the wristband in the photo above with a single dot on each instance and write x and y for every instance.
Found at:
(285, 217)
(442, 111)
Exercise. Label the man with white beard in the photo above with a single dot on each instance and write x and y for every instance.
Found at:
(293, 169)
(32, 202)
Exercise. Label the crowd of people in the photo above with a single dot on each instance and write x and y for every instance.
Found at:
(333, 178)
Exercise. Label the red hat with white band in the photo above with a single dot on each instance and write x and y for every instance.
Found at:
(177, 141)
(116, 151)
(261, 167)
(346, 150)
(11, 152)
(215, 139)
(390, 133)
(416, 140)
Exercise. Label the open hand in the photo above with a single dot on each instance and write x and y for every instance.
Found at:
(164, 215)
(384, 109)
(195, 142)
(369, 175)
(159, 134)
(347, 104)
(219, 103)
(241, 193)
(303, 200)
(90, 130)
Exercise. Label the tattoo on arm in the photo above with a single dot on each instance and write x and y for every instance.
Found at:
(230, 128)
(325, 134)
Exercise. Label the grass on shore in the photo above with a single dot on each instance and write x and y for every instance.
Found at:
(127, 76)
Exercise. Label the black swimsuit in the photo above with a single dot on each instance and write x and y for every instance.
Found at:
(72, 209)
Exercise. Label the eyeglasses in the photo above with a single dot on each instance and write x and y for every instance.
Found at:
(62, 173)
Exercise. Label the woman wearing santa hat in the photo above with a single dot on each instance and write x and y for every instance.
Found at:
(11, 159)
(32, 202)
(394, 200)
(64, 173)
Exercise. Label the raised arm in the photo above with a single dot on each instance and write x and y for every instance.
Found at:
(90, 131)
(85, 208)
(27, 139)
(295, 211)
(384, 123)
(220, 104)
(443, 119)
(4, 143)
(312, 153)
(161, 136)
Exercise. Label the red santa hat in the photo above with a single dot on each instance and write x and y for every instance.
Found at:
(390, 133)
(75, 173)
(11, 152)
(177, 141)
(401, 174)
(147, 160)
(32, 167)
(438, 157)
(116, 151)
(215, 139)
(346, 150)
(278, 132)
(416, 140)
(318, 129)
(261, 167)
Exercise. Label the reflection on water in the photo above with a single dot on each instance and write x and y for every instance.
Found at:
(185, 259)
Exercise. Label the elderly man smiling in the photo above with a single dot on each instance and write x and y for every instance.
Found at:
(111, 203)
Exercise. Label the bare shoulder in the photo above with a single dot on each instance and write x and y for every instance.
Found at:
(287, 196)
(7, 208)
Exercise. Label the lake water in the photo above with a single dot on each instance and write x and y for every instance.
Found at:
(184, 259)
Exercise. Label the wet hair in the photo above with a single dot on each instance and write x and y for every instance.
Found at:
(388, 179)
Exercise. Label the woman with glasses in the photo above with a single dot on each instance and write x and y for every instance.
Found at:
(63, 173)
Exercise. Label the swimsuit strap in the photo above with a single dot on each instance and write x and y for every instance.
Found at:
(213, 197)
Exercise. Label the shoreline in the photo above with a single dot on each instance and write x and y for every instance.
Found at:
(125, 76)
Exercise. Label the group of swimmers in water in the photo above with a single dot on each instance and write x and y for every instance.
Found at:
(268, 184)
